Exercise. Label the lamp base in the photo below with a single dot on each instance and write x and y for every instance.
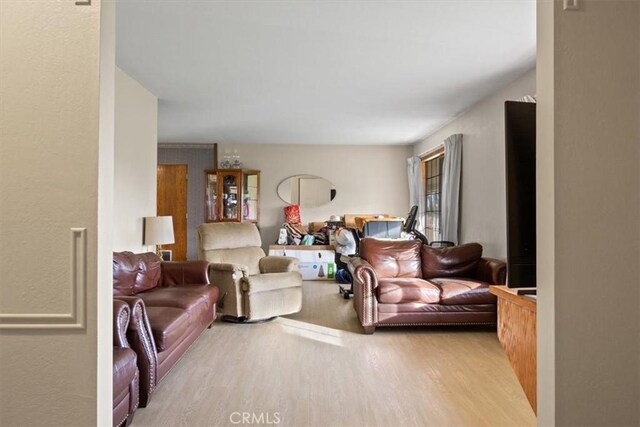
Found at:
(164, 254)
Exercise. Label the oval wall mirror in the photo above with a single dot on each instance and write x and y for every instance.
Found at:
(308, 191)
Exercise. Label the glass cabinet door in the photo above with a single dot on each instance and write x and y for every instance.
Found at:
(251, 184)
(230, 210)
(211, 196)
(231, 195)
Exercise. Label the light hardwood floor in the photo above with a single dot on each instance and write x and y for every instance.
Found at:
(317, 368)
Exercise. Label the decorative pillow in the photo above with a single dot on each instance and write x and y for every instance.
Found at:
(455, 261)
(292, 214)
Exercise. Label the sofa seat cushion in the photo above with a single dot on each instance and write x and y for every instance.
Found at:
(404, 290)
(124, 369)
(420, 307)
(168, 324)
(178, 297)
(209, 293)
(459, 291)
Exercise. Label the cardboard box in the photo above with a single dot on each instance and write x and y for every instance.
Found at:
(317, 271)
(316, 262)
(316, 226)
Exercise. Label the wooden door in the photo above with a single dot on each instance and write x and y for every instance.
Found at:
(172, 200)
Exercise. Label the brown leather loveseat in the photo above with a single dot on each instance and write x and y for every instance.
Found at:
(171, 304)
(402, 282)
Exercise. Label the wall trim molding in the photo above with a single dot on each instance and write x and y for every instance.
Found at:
(76, 318)
(185, 145)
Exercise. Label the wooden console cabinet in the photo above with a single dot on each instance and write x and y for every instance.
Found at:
(517, 334)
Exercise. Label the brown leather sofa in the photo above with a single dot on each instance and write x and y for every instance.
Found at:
(125, 369)
(171, 304)
(402, 282)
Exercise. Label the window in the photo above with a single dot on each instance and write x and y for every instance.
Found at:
(432, 189)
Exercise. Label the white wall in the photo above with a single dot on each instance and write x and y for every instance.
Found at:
(589, 214)
(483, 189)
(104, 292)
(545, 212)
(136, 154)
(368, 179)
(49, 62)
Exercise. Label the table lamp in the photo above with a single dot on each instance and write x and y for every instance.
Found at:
(158, 230)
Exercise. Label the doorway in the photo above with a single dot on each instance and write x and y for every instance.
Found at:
(172, 200)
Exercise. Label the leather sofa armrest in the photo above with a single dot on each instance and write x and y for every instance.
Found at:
(176, 273)
(363, 271)
(140, 339)
(365, 281)
(121, 315)
(491, 270)
(278, 264)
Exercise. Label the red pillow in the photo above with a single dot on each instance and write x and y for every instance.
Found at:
(292, 214)
(455, 261)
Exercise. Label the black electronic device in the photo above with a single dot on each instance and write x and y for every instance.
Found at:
(410, 222)
(409, 226)
(520, 150)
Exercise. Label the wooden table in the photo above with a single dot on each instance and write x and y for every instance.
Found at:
(517, 334)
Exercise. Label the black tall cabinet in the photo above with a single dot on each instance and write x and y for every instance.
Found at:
(520, 137)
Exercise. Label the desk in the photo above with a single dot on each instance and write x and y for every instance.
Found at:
(517, 334)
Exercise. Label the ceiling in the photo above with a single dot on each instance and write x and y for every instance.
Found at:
(320, 72)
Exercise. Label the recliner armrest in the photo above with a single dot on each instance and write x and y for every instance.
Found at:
(491, 270)
(227, 276)
(278, 264)
(228, 267)
(271, 281)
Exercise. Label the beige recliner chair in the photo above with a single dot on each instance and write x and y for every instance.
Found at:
(252, 286)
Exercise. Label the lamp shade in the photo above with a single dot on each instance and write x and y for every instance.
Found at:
(158, 230)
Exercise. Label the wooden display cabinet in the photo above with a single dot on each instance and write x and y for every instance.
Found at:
(232, 195)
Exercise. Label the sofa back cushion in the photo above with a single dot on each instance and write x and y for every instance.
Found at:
(149, 270)
(135, 273)
(230, 242)
(125, 270)
(392, 258)
(455, 261)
